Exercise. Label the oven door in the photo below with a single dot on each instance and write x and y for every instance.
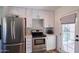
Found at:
(39, 45)
(39, 41)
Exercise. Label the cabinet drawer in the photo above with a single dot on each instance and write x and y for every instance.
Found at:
(28, 40)
(28, 50)
(28, 47)
(28, 44)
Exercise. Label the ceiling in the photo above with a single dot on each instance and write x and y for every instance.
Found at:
(49, 8)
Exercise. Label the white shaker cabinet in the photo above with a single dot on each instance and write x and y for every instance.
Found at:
(29, 17)
(38, 14)
(45, 16)
(48, 18)
(28, 44)
(50, 42)
(51, 19)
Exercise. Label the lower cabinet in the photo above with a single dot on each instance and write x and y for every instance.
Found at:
(50, 42)
(28, 44)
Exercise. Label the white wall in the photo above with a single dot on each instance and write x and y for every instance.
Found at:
(58, 14)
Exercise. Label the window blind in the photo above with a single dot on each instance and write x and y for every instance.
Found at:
(68, 19)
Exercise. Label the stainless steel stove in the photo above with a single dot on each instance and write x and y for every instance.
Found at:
(38, 41)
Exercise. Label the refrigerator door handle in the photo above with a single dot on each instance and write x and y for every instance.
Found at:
(12, 29)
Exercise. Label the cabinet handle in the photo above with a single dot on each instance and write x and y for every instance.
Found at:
(76, 40)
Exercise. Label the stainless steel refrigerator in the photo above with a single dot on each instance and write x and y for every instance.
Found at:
(12, 34)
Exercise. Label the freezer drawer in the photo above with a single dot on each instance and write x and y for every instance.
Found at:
(15, 48)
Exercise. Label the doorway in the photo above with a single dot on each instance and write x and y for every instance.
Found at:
(68, 37)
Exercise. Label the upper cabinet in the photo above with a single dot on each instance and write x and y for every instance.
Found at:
(47, 16)
(29, 18)
(30, 14)
(51, 19)
(37, 24)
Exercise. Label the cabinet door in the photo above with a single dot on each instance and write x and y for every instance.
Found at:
(50, 42)
(29, 17)
(51, 19)
(46, 18)
(41, 14)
